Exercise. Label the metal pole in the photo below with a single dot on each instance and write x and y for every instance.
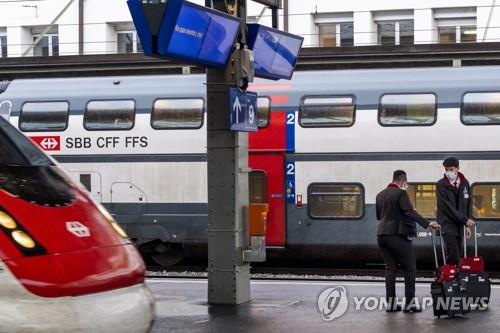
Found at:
(285, 15)
(228, 275)
(81, 21)
(275, 18)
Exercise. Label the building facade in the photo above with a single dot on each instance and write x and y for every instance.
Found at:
(71, 27)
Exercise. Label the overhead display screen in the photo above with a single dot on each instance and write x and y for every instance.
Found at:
(275, 52)
(197, 34)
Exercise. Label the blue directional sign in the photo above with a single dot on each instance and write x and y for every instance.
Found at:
(243, 110)
(275, 51)
(183, 30)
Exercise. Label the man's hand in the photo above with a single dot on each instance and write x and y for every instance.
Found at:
(468, 232)
(434, 225)
(470, 223)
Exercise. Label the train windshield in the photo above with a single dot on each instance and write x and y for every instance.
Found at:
(26, 172)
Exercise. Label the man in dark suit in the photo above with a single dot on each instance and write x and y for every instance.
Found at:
(453, 208)
(395, 233)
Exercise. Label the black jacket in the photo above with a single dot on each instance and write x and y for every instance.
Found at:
(453, 206)
(396, 213)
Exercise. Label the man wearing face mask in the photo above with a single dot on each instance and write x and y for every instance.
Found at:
(453, 208)
(396, 229)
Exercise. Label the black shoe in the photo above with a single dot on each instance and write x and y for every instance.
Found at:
(393, 309)
(412, 309)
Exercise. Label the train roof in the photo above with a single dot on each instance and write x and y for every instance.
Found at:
(367, 85)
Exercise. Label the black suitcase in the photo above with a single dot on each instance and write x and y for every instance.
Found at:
(478, 284)
(448, 297)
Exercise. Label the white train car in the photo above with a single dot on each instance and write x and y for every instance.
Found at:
(329, 141)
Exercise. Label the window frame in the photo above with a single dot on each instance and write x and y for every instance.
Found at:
(397, 31)
(471, 200)
(338, 32)
(425, 183)
(68, 103)
(266, 175)
(436, 109)
(354, 111)
(462, 107)
(204, 110)
(135, 41)
(50, 44)
(108, 129)
(331, 218)
(4, 34)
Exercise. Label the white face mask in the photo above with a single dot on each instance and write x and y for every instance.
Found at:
(404, 187)
(452, 176)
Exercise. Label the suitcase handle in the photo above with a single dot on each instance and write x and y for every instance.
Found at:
(434, 247)
(475, 241)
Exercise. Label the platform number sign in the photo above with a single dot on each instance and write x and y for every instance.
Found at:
(290, 182)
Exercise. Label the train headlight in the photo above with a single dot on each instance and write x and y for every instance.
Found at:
(23, 239)
(7, 221)
(119, 230)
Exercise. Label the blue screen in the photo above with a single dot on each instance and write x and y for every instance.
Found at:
(189, 32)
(219, 40)
(203, 36)
(275, 52)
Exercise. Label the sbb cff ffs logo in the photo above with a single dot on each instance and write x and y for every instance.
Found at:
(48, 143)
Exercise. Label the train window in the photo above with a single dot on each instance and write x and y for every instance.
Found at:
(423, 199)
(481, 108)
(486, 201)
(183, 113)
(407, 110)
(44, 116)
(258, 187)
(335, 201)
(263, 111)
(327, 111)
(109, 115)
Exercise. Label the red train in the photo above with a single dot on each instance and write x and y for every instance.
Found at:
(64, 262)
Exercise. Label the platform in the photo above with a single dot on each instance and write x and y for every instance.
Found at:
(291, 306)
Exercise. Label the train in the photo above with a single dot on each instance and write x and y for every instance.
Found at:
(65, 264)
(328, 142)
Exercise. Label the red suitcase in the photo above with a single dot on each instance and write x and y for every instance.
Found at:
(473, 264)
(445, 273)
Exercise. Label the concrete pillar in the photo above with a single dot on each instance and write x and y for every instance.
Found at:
(365, 29)
(19, 39)
(425, 27)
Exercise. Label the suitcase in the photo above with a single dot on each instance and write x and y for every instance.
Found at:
(472, 275)
(448, 293)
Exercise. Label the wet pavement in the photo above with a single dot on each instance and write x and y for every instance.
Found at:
(292, 306)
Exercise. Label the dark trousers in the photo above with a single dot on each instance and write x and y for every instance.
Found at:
(453, 245)
(398, 253)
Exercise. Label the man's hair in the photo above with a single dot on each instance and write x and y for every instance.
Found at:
(451, 162)
(399, 176)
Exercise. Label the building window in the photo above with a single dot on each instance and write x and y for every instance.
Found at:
(481, 108)
(395, 32)
(486, 201)
(47, 46)
(3, 45)
(336, 34)
(263, 111)
(44, 117)
(128, 42)
(423, 199)
(181, 113)
(408, 110)
(457, 34)
(327, 111)
(109, 115)
(335, 201)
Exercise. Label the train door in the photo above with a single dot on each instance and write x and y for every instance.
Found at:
(266, 186)
(91, 181)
